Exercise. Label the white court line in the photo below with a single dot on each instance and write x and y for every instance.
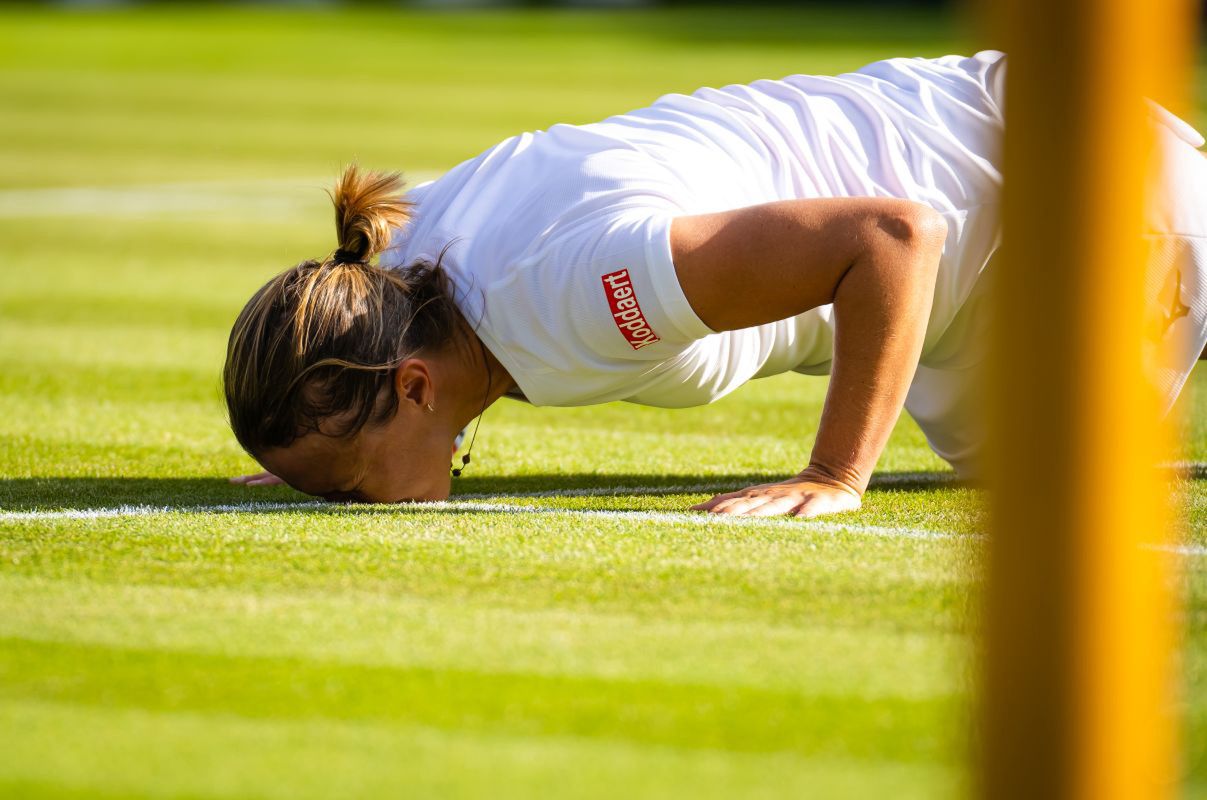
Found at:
(1196, 550)
(589, 491)
(680, 517)
(698, 518)
(148, 511)
(285, 196)
(476, 505)
(693, 517)
(1183, 466)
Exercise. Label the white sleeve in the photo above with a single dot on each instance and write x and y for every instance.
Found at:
(594, 312)
(625, 290)
(601, 288)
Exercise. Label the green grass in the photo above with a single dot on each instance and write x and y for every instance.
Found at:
(354, 651)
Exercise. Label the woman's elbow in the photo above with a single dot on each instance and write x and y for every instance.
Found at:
(915, 225)
(912, 238)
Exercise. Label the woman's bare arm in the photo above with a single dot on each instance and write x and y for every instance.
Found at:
(876, 260)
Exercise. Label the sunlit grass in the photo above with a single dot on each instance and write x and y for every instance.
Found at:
(310, 652)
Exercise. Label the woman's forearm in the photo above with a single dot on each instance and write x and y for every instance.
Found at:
(876, 260)
(881, 308)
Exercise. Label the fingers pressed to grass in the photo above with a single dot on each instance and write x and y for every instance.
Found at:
(801, 498)
(258, 479)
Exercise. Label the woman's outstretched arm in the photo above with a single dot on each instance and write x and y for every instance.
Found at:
(876, 260)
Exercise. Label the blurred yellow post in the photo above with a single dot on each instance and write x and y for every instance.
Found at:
(1078, 677)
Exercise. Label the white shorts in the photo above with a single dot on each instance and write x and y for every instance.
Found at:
(947, 402)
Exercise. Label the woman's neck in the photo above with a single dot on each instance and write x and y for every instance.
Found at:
(478, 379)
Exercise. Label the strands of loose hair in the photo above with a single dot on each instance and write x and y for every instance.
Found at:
(317, 345)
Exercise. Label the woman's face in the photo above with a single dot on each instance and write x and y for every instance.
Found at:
(404, 458)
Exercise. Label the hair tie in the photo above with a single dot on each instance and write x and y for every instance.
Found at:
(342, 256)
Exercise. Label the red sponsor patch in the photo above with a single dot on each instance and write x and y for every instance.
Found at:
(626, 311)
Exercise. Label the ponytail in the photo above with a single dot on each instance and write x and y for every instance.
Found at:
(368, 207)
(318, 344)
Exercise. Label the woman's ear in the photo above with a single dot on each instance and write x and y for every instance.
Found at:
(413, 383)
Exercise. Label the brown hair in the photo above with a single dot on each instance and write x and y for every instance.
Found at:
(323, 338)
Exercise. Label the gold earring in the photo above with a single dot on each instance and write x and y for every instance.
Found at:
(429, 407)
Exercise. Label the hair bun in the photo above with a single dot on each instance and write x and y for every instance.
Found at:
(368, 207)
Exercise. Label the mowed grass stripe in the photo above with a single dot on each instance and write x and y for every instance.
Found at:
(243, 91)
(676, 714)
(471, 634)
(495, 504)
(285, 198)
(777, 574)
(606, 491)
(142, 645)
(125, 752)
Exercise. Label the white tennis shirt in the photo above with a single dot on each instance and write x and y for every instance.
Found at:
(558, 240)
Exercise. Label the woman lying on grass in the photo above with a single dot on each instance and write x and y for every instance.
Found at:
(837, 225)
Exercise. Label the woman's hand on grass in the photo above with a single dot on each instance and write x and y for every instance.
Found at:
(806, 495)
(259, 479)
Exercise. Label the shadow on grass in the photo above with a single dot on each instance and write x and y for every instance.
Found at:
(67, 493)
